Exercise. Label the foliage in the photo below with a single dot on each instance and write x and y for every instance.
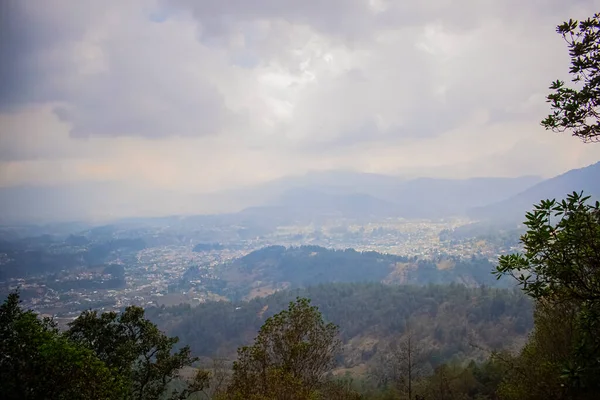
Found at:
(562, 249)
(38, 362)
(446, 317)
(339, 389)
(536, 372)
(452, 381)
(574, 109)
(295, 350)
(107, 356)
(561, 265)
(280, 267)
(560, 269)
(290, 356)
(138, 350)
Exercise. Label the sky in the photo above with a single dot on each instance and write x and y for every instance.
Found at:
(202, 96)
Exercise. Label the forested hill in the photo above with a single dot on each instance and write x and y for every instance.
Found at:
(453, 321)
(276, 267)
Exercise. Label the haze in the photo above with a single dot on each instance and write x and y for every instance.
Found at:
(147, 106)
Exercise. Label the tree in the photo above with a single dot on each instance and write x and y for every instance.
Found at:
(220, 374)
(38, 362)
(561, 266)
(535, 373)
(339, 390)
(401, 364)
(137, 350)
(439, 385)
(577, 109)
(289, 358)
(411, 357)
(562, 251)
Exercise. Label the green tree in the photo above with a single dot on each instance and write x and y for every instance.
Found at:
(577, 109)
(289, 358)
(338, 390)
(38, 362)
(536, 372)
(139, 351)
(440, 384)
(561, 265)
(562, 251)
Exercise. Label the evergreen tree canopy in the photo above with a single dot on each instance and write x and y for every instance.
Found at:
(577, 109)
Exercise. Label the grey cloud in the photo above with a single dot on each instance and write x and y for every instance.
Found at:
(150, 103)
(33, 40)
(356, 19)
(499, 75)
(140, 92)
(146, 91)
(369, 132)
(330, 17)
(18, 50)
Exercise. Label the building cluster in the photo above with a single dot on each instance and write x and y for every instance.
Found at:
(159, 275)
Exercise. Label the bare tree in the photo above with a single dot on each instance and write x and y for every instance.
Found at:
(401, 363)
(220, 375)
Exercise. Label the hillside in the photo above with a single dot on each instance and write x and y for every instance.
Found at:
(513, 209)
(276, 267)
(454, 322)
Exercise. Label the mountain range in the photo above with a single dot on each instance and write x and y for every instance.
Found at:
(368, 196)
(514, 207)
(314, 196)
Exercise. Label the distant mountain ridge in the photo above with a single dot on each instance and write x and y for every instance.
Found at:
(308, 198)
(305, 204)
(384, 197)
(585, 179)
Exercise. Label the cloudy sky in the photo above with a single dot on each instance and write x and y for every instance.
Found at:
(204, 95)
